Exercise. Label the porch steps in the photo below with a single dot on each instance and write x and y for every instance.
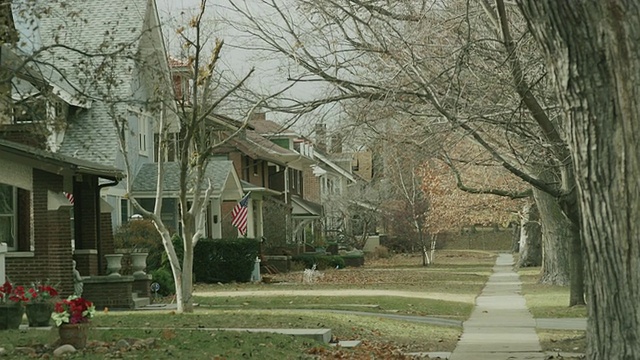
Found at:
(139, 302)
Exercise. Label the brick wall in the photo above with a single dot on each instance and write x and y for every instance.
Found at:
(109, 292)
(311, 186)
(86, 264)
(51, 240)
(142, 287)
(236, 158)
(106, 243)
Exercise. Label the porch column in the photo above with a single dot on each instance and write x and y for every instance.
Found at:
(216, 219)
(251, 233)
(259, 219)
(3, 250)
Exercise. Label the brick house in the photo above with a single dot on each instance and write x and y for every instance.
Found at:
(68, 110)
(36, 217)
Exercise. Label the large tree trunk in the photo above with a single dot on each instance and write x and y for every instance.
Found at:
(594, 51)
(515, 238)
(556, 240)
(530, 237)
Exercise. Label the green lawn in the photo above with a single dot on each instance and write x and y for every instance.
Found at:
(547, 301)
(550, 301)
(452, 283)
(378, 304)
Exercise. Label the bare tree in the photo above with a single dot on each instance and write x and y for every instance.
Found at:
(471, 65)
(101, 68)
(196, 146)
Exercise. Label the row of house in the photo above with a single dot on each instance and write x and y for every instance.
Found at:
(58, 142)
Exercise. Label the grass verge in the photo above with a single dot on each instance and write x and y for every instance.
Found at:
(408, 336)
(377, 304)
(563, 341)
(547, 301)
(168, 344)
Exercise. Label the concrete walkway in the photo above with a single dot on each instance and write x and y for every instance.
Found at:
(500, 326)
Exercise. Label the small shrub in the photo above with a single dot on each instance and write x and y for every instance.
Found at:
(321, 261)
(381, 252)
(297, 266)
(141, 235)
(164, 277)
(353, 260)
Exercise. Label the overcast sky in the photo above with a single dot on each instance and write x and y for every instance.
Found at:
(269, 75)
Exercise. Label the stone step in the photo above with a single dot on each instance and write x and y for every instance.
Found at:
(139, 302)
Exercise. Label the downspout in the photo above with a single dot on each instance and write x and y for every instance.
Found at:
(98, 219)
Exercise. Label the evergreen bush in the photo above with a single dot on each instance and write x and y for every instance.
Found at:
(225, 260)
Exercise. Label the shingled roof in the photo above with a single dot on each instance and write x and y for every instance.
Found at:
(94, 27)
(145, 182)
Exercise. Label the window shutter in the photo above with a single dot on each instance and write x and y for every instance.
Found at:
(24, 220)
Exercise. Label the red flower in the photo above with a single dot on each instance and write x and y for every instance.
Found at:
(10, 293)
(39, 292)
(73, 310)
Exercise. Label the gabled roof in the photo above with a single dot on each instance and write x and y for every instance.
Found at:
(223, 179)
(225, 121)
(258, 147)
(31, 78)
(55, 163)
(95, 27)
(305, 209)
(334, 166)
(269, 128)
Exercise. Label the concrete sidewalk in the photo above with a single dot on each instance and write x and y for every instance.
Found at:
(500, 326)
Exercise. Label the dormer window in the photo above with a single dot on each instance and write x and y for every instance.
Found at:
(29, 110)
(37, 109)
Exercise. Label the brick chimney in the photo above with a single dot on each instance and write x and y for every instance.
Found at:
(258, 116)
(336, 143)
(321, 137)
(180, 76)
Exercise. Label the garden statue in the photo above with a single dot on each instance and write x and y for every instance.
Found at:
(77, 281)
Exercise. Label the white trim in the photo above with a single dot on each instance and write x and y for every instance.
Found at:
(85, 252)
(20, 254)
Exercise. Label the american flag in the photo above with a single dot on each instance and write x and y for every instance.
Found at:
(239, 215)
(69, 197)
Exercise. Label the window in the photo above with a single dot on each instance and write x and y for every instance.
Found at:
(8, 216)
(142, 135)
(168, 152)
(30, 110)
(124, 211)
(245, 168)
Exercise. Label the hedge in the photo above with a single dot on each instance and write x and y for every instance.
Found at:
(321, 261)
(225, 260)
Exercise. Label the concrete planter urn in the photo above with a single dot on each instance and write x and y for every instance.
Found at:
(114, 264)
(138, 263)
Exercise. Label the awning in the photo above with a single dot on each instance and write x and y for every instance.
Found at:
(305, 209)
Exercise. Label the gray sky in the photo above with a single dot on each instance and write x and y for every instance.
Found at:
(270, 74)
